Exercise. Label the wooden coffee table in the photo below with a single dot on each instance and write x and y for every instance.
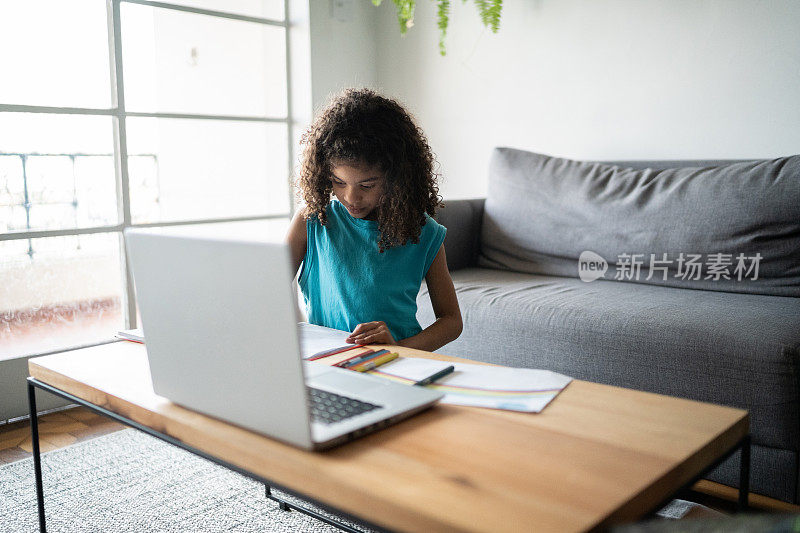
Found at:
(596, 456)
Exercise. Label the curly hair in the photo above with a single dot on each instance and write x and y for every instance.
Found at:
(359, 126)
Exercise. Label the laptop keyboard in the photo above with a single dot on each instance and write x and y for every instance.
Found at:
(328, 407)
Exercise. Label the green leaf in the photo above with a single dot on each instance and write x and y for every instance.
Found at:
(443, 19)
(405, 14)
(490, 11)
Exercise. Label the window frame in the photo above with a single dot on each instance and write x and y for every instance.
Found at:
(119, 116)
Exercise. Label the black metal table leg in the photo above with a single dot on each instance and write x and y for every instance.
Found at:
(33, 384)
(744, 474)
(37, 459)
(283, 505)
(743, 447)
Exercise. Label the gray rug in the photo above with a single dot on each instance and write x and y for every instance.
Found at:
(129, 481)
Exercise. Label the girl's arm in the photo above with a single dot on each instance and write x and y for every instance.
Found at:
(297, 238)
(447, 326)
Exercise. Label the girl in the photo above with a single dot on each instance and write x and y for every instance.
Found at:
(365, 252)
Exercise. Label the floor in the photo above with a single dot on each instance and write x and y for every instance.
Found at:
(56, 430)
(65, 427)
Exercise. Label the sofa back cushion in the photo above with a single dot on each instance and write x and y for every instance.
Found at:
(734, 227)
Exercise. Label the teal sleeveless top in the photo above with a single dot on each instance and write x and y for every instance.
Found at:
(345, 280)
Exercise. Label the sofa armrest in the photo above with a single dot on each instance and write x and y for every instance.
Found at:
(463, 219)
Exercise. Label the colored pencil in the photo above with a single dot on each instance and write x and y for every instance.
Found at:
(374, 362)
(361, 358)
(356, 356)
(332, 351)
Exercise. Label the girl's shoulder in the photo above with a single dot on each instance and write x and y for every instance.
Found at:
(431, 234)
(313, 217)
(334, 216)
(432, 227)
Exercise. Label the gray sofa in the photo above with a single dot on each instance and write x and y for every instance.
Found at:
(648, 323)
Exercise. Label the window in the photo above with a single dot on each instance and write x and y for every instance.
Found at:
(127, 113)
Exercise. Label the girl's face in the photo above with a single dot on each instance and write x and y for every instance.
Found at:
(358, 187)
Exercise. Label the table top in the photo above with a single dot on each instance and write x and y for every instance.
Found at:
(596, 456)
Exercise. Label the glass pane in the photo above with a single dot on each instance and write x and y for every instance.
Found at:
(56, 172)
(268, 9)
(12, 194)
(96, 191)
(197, 169)
(59, 292)
(176, 62)
(54, 53)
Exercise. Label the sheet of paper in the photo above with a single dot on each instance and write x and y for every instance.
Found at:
(513, 389)
(495, 387)
(136, 335)
(315, 339)
(409, 369)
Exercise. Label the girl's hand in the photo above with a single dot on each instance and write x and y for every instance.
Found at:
(371, 333)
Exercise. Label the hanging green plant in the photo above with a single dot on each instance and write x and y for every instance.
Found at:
(489, 11)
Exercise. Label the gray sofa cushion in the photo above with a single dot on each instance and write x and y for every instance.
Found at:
(727, 348)
(462, 218)
(733, 349)
(542, 212)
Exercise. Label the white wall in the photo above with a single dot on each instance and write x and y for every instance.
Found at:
(343, 47)
(599, 79)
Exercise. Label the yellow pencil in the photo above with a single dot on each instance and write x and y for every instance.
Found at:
(373, 363)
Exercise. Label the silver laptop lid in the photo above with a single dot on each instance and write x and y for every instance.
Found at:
(218, 335)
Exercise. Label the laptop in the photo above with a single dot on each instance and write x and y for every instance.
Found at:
(220, 324)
